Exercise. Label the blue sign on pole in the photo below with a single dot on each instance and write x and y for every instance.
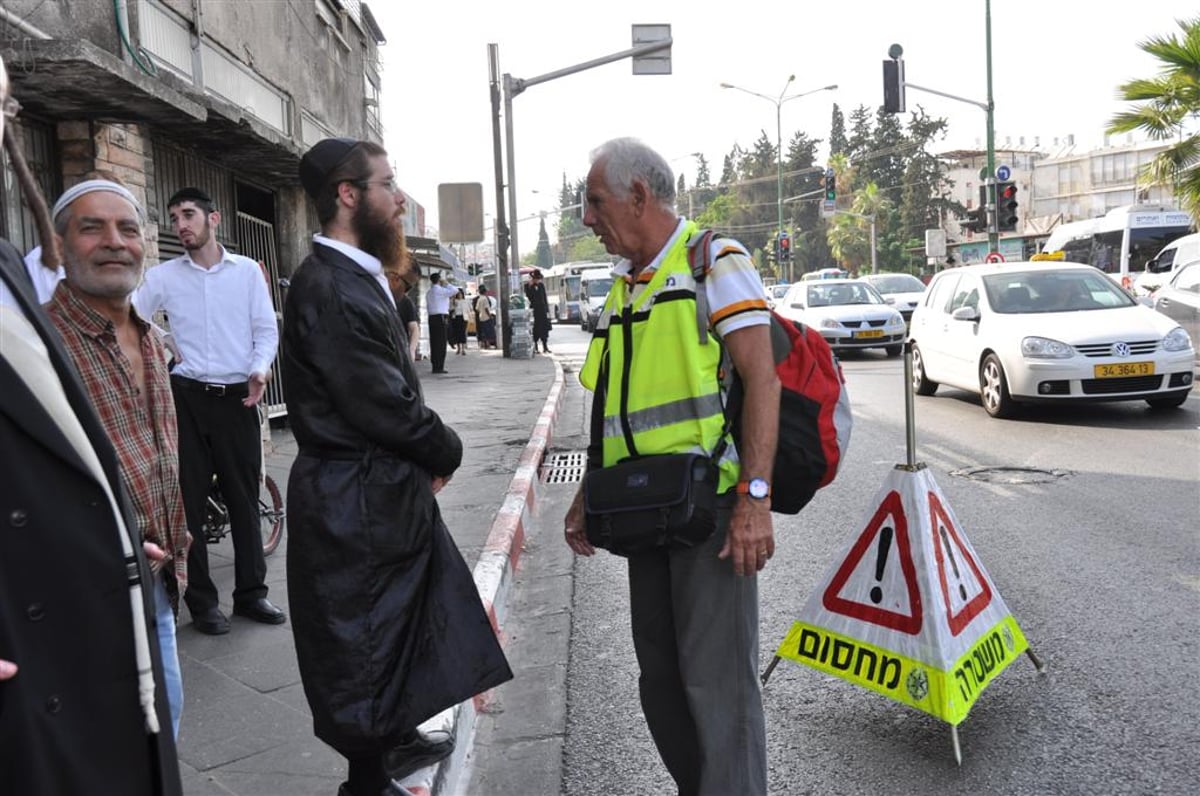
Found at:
(1003, 173)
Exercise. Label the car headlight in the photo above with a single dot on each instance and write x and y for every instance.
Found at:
(896, 320)
(830, 323)
(1045, 348)
(1176, 340)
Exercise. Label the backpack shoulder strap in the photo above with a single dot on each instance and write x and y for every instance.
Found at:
(700, 260)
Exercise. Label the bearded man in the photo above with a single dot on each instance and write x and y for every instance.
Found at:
(388, 624)
(223, 324)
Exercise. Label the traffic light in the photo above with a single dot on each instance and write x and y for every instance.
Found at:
(976, 220)
(785, 248)
(1006, 206)
(893, 86)
(830, 183)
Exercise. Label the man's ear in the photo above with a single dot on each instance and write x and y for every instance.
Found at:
(347, 193)
(639, 195)
(214, 219)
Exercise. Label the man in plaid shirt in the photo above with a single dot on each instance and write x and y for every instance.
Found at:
(123, 365)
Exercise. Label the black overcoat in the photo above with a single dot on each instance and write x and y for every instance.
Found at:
(388, 622)
(70, 721)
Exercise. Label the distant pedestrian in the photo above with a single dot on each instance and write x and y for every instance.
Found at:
(438, 300)
(539, 305)
(460, 312)
(82, 703)
(223, 323)
(402, 280)
(485, 319)
(124, 369)
(694, 610)
(387, 621)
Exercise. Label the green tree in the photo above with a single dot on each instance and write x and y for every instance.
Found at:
(543, 258)
(1168, 103)
(837, 131)
(850, 236)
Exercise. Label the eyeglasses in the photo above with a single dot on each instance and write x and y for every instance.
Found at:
(389, 184)
(11, 107)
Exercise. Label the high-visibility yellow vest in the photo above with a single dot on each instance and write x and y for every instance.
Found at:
(662, 389)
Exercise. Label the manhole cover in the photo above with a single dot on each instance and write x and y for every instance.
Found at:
(564, 468)
(1011, 475)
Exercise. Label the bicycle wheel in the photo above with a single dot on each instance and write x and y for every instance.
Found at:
(271, 514)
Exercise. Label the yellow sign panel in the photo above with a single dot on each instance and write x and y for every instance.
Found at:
(947, 695)
(1040, 256)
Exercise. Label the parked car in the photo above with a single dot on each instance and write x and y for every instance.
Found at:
(902, 291)
(1179, 300)
(775, 294)
(1046, 332)
(849, 314)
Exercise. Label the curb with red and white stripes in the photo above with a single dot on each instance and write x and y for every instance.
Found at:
(493, 577)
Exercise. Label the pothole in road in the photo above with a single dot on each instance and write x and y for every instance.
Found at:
(1011, 475)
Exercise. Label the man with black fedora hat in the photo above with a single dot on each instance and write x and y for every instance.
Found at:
(388, 624)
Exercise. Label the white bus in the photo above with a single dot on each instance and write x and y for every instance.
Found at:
(1121, 242)
(562, 288)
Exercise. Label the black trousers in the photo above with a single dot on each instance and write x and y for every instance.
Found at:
(218, 436)
(437, 342)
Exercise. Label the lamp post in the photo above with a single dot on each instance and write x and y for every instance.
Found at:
(778, 103)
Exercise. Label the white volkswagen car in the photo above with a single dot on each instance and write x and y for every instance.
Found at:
(1045, 331)
(848, 313)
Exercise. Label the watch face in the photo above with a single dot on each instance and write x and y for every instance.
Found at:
(759, 488)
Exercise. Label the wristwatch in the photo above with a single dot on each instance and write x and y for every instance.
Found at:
(757, 488)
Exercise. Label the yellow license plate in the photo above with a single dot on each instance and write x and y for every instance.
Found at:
(868, 333)
(1124, 369)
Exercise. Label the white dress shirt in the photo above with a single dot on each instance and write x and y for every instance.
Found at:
(44, 280)
(221, 317)
(368, 262)
(438, 298)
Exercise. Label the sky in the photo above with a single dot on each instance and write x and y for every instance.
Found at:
(1056, 68)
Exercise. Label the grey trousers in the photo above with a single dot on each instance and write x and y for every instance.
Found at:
(695, 631)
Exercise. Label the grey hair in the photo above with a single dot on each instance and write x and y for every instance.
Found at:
(627, 160)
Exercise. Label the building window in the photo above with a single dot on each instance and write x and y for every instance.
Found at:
(371, 103)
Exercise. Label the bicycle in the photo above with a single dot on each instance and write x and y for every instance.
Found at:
(271, 514)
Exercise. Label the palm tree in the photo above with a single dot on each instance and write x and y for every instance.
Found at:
(1168, 102)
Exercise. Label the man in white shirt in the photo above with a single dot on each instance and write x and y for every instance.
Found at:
(223, 323)
(438, 299)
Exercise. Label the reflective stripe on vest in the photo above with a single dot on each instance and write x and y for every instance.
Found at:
(671, 401)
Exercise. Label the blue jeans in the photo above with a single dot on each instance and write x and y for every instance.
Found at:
(165, 624)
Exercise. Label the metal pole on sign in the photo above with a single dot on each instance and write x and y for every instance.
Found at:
(910, 421)
(514, 262)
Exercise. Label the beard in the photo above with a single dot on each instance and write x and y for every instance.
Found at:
(382, 238)
(200, 239)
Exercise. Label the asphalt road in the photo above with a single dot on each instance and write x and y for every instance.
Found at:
(1087, 525)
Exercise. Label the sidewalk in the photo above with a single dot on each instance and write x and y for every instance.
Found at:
(246, 726)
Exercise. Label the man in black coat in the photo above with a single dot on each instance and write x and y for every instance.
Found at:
(82, 707)
(388, 624)
(539, 305)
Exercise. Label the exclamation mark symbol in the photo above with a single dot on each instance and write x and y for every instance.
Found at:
(885, 544)
(962, 590)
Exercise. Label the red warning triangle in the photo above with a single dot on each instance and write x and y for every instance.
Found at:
(948, 548)
(890, 515)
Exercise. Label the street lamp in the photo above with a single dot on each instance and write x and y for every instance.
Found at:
(778, 103)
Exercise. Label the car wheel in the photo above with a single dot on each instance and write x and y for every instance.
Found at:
(921, 383)
(1171, 401)
(993, 388)
(893, 351)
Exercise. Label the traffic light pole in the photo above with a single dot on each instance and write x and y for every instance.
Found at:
(896, 51)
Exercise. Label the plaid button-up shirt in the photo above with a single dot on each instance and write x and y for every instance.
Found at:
(142, 428)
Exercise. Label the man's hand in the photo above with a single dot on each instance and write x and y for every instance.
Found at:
(751, 538)
(155, 556)
(438, 482)
(258, 385)
(573, 527)
(8, 670)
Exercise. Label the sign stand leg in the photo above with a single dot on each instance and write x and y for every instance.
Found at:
(770, 668)
(1037, 662)
(957, 747)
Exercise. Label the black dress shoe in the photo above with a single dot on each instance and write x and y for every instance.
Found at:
(211, 622)
(417, 751)
(261, 610)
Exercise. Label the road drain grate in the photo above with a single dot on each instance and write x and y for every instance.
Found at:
(1011, 475)
(564, 468)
